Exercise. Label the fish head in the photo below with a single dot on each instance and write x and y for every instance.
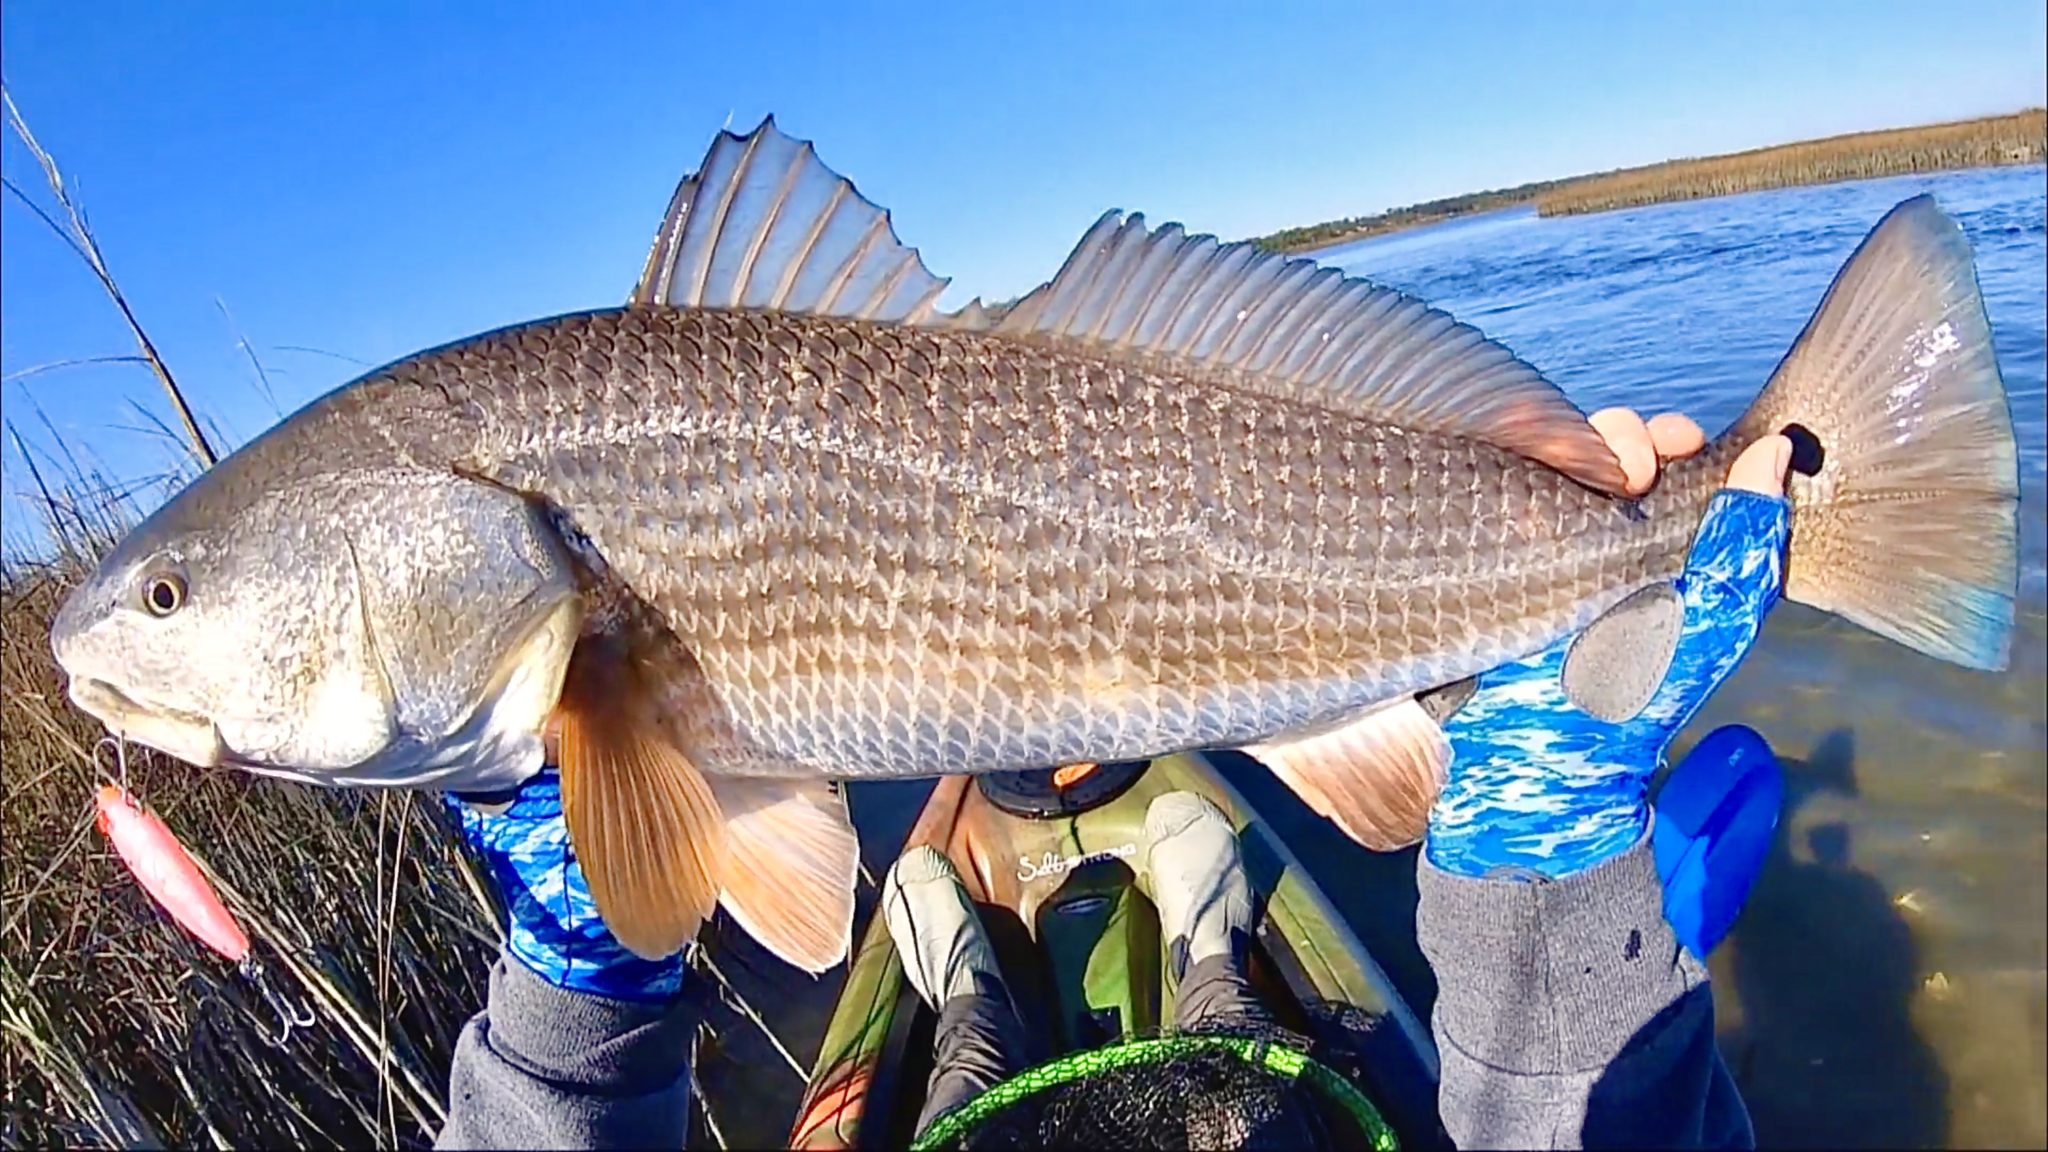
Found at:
(224, 629)
(381, 628)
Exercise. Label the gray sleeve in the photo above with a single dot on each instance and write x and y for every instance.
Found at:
(1568, 1015)
(541, 1067)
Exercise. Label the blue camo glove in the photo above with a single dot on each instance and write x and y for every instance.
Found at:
(1540, 784)
(556, 932)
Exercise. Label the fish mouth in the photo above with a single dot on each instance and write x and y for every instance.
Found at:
(196, 740)
(186, 735)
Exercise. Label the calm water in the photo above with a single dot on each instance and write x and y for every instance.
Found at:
(1885, 986)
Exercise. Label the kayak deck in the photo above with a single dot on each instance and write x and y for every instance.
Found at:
(1068, 909)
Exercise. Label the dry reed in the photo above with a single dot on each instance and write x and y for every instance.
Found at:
(1989, 142)
(2021, 138)
(116, 1028)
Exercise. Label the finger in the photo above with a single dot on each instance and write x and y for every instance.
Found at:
(1675, 436)
(1629, 439)
(1762, 466)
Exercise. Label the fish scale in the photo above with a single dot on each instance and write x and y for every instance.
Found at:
(729, 513)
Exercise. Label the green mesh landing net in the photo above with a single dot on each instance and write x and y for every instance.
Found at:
(1185, 1091)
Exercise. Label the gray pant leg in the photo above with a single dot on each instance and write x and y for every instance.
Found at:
(1215, 992)
(979, 1044)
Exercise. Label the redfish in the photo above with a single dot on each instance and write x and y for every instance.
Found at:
(781, 521)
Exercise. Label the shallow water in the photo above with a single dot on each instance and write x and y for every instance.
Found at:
(1885, 986)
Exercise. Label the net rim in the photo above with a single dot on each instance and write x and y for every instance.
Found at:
(1279, 1060)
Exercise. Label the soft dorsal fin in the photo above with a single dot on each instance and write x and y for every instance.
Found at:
(1290, 326)
(765, 224)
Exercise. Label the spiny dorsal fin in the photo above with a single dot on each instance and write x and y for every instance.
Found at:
(1290, 326)
(765, 224)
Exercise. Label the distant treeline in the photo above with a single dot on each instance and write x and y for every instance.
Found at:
(1413, 216)
(2021, 138)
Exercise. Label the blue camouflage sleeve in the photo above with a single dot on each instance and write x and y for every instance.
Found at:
(1538, 785)
(555, 929)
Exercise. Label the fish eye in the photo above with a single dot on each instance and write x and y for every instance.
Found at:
(163, 593)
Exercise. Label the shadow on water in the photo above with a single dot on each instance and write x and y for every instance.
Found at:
(1814, 987)
(1823, 971)
(750, 1090)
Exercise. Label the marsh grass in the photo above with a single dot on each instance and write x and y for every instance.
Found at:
(2021, 138)
(1988, 142)
(371, 920)
(116, 1027)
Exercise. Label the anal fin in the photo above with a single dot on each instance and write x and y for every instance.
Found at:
(792, 858)
(644, 824)
(1375, 777)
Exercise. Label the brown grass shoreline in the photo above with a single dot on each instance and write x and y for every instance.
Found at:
(1991, 141)
(117, 1030)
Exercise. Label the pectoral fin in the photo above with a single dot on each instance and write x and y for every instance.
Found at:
(1376, 776)
(643, 822)
(791, 862)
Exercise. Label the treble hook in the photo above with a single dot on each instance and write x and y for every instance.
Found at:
(255, 974)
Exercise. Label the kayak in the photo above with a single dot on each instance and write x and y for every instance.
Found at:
(1053, 860)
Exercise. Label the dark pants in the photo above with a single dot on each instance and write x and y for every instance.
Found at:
(980, 1042)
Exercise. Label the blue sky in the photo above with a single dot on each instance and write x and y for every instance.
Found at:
(374, 178)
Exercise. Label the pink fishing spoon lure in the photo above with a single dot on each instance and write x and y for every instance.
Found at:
(172, 878)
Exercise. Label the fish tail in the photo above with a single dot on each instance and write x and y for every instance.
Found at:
(1905, 478)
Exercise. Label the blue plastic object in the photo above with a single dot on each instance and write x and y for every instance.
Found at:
(1715, 818)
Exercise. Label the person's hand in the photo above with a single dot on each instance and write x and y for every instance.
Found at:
(1552, 755)
(555, 931)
